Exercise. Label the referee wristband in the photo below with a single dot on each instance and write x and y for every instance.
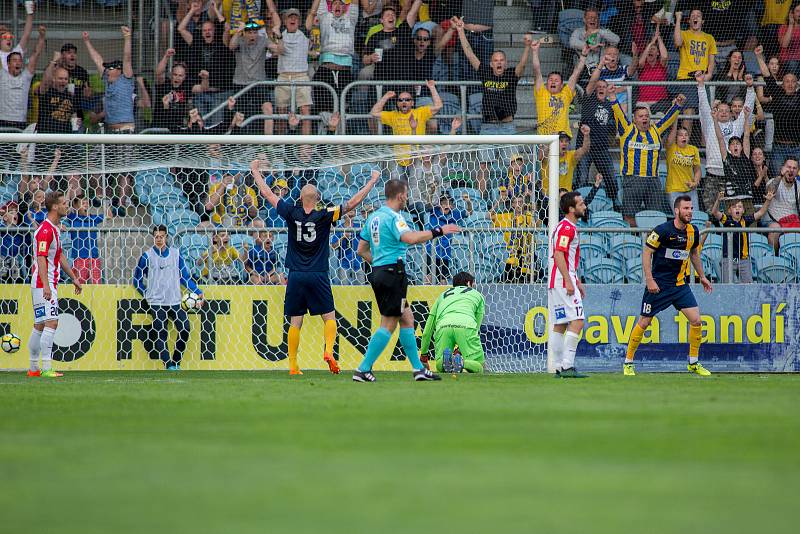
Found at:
(437, 232)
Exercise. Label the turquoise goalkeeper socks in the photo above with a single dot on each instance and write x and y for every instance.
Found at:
(408, 339)
(376, 345)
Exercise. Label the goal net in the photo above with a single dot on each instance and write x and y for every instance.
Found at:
(234, 243)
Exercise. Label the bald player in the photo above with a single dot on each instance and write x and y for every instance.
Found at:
(309, 283)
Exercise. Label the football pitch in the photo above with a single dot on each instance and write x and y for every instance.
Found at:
(263, 452)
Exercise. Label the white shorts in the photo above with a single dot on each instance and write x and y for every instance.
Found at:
(564, 308)
(44, 310)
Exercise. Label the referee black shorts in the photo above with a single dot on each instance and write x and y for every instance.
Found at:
(390, 285)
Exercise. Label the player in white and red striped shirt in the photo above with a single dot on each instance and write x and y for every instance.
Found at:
(565, 289)
(48, 259)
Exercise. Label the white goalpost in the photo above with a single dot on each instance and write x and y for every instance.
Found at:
(198, 186)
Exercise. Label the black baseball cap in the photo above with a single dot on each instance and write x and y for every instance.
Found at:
(67, 47)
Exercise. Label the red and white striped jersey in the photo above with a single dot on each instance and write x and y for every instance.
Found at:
(565, 239)
(47, 243)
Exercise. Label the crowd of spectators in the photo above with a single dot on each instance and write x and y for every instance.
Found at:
(746, 146)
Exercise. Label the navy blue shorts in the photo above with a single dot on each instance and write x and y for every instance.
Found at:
(308, 292)
(681, 297)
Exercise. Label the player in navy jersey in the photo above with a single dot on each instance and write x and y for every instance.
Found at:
(309, 285)
(671, 247)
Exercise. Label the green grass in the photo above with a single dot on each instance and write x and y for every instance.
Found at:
(260, 452)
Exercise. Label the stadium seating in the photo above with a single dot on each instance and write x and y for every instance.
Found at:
(593, 245)
(633, 271)
(649, 219)
(607, 219)
(625, 247)
(603, 271)
(239, 241)
(775, 270)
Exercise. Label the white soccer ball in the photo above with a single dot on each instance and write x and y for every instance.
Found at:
(190, 301)
(10, 343)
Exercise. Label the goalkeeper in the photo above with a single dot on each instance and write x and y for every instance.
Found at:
(456, 318)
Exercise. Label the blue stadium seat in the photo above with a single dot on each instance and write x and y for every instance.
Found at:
(713, 239)
(194, 240)
(633, 271)
(181, 220)
(649, 219)
(473, 194)
(790, 251)
(775, 270)
(416, 261)
(478, 219)
(625, 247)
(145, 181)
(239, 240)
(760, 248)
(601, 203)
(598, 219)
(711, 266)
(593, 245)
(788, 238)
(603, 271)
(712, 250)
(700, 218)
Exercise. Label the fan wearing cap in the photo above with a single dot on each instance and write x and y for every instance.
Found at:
(15, 86)
(118, 99)
(567, 159)
(740, 173)
(249, 45)
(7, 40)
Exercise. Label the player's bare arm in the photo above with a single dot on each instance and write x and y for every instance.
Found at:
(263, 188)
(68, 269)
(561, 264)
(694, 257)
(415, 238)
(647, 269)
(359, 197)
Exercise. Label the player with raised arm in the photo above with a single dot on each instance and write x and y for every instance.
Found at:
(671, 246)
(383, 243)
(456, 319)
(565, 289)
(48, 259)
(309, 285)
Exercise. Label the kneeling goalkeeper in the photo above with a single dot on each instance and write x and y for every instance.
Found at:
(456, 319)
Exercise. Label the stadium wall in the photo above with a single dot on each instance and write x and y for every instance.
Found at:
(746, 328)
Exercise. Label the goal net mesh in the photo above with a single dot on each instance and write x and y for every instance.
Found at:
(234, 245)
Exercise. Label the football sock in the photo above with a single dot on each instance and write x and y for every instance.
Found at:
(695, 336)
(571, 340)
(294, 342)
(557, 345)
(408, 339)
(34, 347)
(633, 343)
(47, 348)
(375, 347)
(330, 335)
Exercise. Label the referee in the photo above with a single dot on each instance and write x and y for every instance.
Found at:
(158, 277)
(383, 243)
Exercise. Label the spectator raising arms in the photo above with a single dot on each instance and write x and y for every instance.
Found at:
(172, 97)
(7, 40)
(567, 160)
(683, 166)
(598, 115)
(553, 97)
(653, 68)
(15, 85)
(337, 27)
(640, 146)
(697, 50)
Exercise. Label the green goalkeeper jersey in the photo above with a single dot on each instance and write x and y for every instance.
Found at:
(460, 307)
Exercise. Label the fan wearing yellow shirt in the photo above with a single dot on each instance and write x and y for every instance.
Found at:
(553, 97)
(406, 120)
(697, 51)
(683, 166)
(567, 161)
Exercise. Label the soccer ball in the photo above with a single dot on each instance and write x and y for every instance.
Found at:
(10, 343)
(189, 301)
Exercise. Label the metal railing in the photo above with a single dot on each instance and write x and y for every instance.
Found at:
(120, 248)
